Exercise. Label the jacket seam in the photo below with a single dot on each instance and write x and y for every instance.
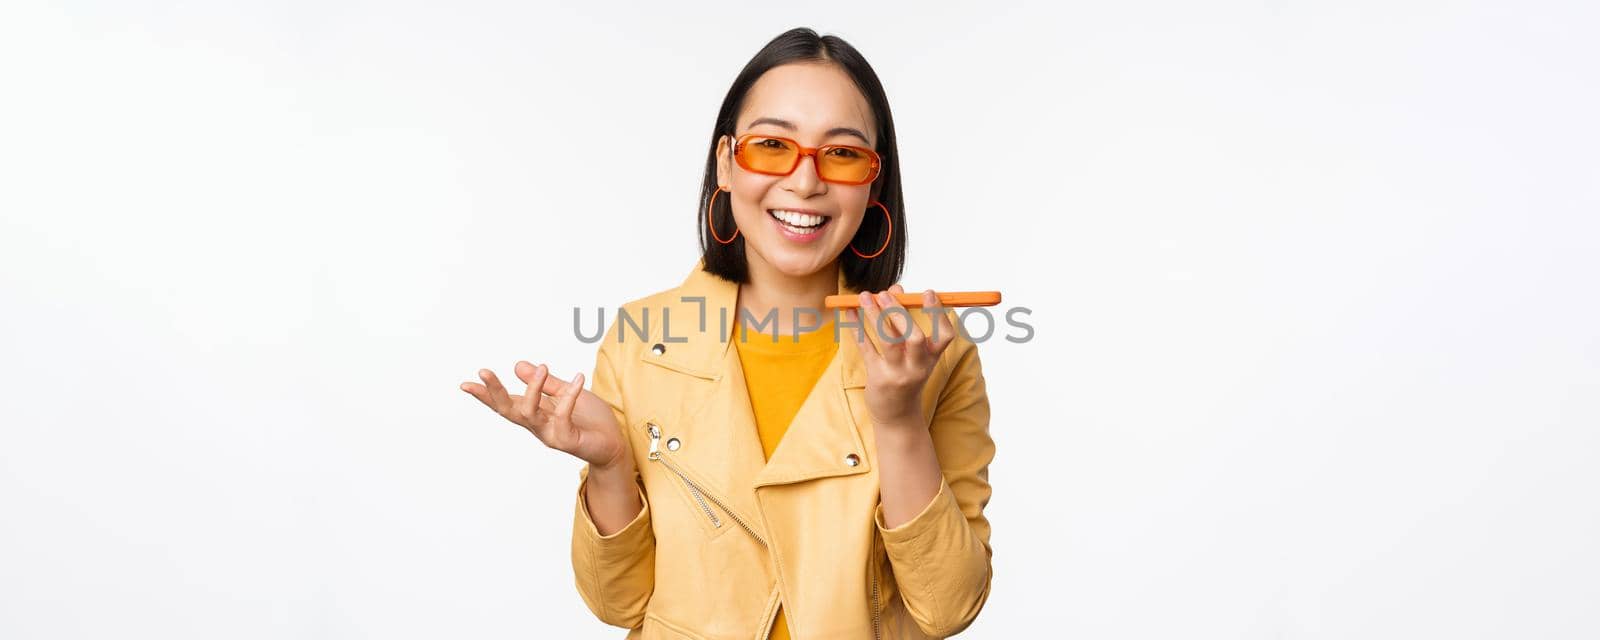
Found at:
(594, 564)
(915, 533)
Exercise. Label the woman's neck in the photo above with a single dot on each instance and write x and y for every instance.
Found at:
(772, 290)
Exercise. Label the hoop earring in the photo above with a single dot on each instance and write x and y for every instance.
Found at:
(708, 218)
(889, 234)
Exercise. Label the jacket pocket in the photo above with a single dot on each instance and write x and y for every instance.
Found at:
(702, 507)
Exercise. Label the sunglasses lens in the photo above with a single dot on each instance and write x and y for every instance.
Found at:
(768, 155)
(778, 156)
(844, 164)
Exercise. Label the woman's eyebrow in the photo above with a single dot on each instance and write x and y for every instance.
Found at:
(831, 132)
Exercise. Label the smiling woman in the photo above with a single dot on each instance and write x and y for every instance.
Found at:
(799, 94)
(739, 485)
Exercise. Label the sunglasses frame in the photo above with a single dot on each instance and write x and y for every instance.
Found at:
(877, 160)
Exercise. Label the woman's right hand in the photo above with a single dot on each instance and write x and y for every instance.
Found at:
(570, 418)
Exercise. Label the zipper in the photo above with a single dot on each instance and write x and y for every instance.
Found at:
(874, 572)
(655, 454)
(875, 635)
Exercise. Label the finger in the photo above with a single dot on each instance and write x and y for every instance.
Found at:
(937, 333)
(897, 321)
(868, 352)
(536, 389)
(569, 399)
(544, 424)
(554, 386)
(909, 332)
(869, 322)
(914, 338)
(478, 391)
(497, 392)
(946, 331)
(887, 301)
(541, 419)
(528, 405)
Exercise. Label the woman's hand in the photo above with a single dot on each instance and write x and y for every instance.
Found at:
(900, 358)
(570, 419)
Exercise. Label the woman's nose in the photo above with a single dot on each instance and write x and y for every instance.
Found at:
(803, 180)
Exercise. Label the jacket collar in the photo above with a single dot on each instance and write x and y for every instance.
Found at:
(721, 447)
(698, 339)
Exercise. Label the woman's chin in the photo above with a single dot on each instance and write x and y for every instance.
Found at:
(800, 261)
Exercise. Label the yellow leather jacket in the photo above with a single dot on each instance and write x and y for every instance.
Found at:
(724, 536)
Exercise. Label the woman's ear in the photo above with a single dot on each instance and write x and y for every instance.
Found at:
(724, 156)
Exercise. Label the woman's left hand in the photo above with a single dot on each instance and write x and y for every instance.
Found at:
(899, 357)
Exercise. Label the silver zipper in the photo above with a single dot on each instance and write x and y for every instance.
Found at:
(655, 454)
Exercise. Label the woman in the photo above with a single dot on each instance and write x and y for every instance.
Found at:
(742, 486)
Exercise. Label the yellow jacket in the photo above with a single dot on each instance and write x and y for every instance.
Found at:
(723, 536)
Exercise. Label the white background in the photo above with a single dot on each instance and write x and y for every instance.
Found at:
(1313, 288)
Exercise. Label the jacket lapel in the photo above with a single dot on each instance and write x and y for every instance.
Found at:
(720, 443)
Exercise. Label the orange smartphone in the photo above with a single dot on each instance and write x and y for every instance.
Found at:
(914, 300)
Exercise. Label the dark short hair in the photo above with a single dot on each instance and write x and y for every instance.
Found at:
(867, 274)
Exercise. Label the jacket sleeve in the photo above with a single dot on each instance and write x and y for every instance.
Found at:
(941, 556)
(615, 573)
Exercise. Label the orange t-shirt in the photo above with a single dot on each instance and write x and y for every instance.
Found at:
(780, 375)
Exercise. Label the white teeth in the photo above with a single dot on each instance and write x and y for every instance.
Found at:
(805, 231)
(796, 219)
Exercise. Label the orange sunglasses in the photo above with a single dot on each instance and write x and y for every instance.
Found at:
(778, 156)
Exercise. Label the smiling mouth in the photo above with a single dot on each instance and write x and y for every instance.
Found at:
(800, 222)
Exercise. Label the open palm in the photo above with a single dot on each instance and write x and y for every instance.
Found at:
(561, 414)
